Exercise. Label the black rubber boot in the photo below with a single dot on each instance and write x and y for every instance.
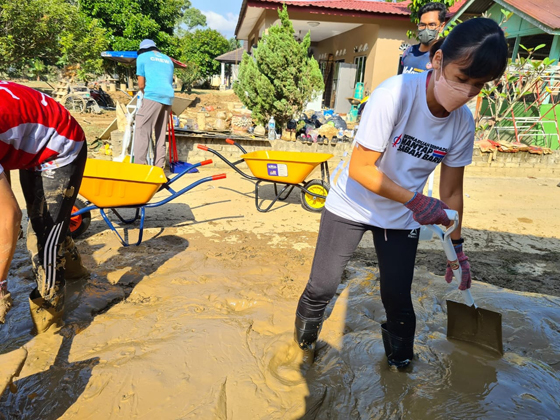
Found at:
(307, 331)
(399, 350)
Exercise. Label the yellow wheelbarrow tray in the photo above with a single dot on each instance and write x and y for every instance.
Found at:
(287, 169)
(111, 185)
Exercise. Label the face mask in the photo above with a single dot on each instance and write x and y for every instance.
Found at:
(452, 95)
(426, 36)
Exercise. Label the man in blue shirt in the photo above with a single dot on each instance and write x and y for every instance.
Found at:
(416, 59)
(155, 80)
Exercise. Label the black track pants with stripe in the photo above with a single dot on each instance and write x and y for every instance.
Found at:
(50, 196)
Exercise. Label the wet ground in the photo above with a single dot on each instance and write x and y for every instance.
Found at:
(197, 322)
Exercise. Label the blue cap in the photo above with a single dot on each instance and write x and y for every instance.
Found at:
(147, 43)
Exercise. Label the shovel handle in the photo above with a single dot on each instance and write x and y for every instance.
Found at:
(445, 238)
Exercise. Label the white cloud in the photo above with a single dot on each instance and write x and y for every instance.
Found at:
(224, 24)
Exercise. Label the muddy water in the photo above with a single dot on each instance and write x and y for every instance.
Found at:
(202, 329)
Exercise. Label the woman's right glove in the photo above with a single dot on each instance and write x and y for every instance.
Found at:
(428, 210)
(465, 269)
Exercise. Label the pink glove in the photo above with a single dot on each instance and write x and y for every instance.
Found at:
(465, 267)
(428, 210)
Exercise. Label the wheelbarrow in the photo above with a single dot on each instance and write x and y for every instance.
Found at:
(285, 170)
(115, 186)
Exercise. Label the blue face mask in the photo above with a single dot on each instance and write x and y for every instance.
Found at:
(426, 36)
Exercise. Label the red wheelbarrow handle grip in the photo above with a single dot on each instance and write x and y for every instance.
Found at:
(206, 162)
(230, 141)
(202, 147)
(219, 176)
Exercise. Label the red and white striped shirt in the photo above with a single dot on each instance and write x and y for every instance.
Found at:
(36, 132)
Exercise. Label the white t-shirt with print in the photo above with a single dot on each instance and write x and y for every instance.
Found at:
(397, 121)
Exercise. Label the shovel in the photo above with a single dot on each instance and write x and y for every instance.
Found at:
(468, 322)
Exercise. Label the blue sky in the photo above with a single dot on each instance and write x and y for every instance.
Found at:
(220, 14)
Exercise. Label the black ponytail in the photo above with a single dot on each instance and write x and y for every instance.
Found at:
(481, 44)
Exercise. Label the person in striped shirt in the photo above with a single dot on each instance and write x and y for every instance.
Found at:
(40, 138)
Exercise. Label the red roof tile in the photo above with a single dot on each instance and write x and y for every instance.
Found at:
(545, 11)
(358, 5)
(350, 5)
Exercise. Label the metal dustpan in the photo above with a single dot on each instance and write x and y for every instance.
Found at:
(466, 321)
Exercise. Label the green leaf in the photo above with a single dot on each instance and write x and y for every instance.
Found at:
(538, 47)
(507, 14)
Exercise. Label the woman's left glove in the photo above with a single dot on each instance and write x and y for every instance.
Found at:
(465, 268)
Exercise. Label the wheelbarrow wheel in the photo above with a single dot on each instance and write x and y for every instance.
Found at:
(74, 102)
(314, 203)
(80, 223)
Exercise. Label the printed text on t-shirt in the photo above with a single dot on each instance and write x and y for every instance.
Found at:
(419, 149)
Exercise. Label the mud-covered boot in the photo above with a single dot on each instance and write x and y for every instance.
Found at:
(5, 304)
(399, 350)
(46, 313)
(73, 267)
(306, 332)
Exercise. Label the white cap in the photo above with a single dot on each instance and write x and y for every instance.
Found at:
(147, 43)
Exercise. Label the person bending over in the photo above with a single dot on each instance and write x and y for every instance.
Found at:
(39, 137)
(414, 123)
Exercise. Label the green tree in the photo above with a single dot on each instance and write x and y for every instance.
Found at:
(234, 44)
(29, 30)
(202, 47)
(281, 77)
(188, 76)
(128, 22)
(192, 18)
(83, 44)
(37, 69)
(35, 33)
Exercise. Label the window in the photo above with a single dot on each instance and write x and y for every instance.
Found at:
(360, 63)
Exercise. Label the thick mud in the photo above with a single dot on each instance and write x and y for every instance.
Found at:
(202, 329)
(197, 322)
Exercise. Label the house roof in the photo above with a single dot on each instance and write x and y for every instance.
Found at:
(363, 7)
(352, 5)
(234, 56)
(544, 14)
(545, 11)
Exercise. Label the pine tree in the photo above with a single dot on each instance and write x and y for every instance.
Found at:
(280, 77)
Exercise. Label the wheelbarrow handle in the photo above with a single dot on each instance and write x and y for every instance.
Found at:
(445, 238)
(234, 143)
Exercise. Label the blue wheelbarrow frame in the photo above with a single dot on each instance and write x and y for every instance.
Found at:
(141, 208)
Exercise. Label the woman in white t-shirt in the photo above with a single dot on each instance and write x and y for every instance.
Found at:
(411, 123)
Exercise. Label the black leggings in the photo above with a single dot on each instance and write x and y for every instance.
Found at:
(396, 254)
(50, 196)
